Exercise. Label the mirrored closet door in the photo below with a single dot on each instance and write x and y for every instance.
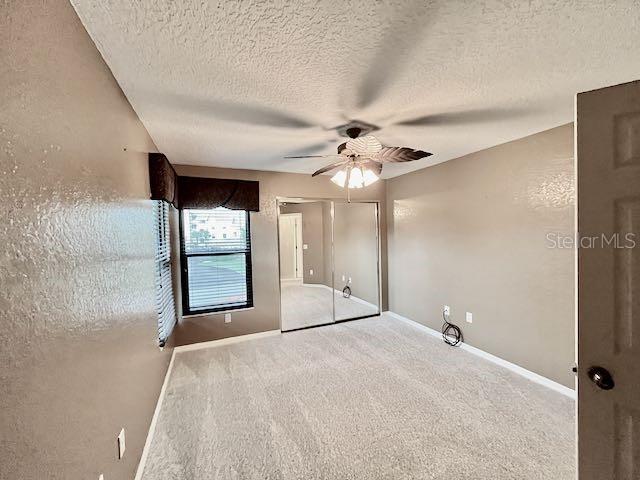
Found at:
(306, 295)
(355, 258)
(329, 261)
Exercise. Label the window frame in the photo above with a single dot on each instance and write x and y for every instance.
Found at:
(184, 271)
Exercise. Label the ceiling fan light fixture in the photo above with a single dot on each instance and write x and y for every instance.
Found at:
(369, 177)
(356, 179)
(359, 177)
(361, 159)
(340, 178)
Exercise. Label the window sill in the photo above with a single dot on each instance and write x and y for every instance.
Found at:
(221, 312)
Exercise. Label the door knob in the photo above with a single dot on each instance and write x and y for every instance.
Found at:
(601, 377)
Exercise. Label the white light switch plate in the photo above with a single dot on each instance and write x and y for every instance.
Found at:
(121, 444)
(469, 317)
(227, 318)
(305, 246)
(447, 310)
(101, 477)
(343, 278)
(311, 272)
(349, 280)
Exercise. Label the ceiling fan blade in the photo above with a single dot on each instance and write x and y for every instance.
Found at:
(258, 115)
(235, 112)
(463, 117)
(399, 154)
(330, 167)
(400, 37)
(310, 150)
(317, 156)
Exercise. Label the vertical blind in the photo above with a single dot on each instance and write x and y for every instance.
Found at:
(216, 250)
(164, 288)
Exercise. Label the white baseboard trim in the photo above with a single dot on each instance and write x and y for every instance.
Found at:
(154, 419)
(316, 285)
(225, 341)
(413, 323)
(534, 377)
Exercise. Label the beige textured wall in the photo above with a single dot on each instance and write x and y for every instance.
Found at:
(78, 337)
(471, 233)
(264, 242)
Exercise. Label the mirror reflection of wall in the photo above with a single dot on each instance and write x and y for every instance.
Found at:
(320, 254)
(355, 243)
(307, 297)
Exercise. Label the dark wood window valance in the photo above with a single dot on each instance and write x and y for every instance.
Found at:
(163, 179)
(200, 192)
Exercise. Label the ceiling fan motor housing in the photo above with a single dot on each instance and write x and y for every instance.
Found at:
(355, 129)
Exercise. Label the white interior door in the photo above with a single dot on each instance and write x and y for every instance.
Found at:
(290, 236)
(608, 168)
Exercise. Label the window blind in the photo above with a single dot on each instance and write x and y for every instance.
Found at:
(216, 250)
(165, 305)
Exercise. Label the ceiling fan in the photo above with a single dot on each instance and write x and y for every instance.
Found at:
(404, 26)
(359, 160)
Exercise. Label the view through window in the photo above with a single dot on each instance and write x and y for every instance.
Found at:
(216, 251)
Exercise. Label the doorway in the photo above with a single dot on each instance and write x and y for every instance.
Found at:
(339, 255)
(290, 243)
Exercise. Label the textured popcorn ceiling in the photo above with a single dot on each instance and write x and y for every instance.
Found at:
(241, 84)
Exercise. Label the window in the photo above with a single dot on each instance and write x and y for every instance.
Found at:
(165, 305)
(216, 269)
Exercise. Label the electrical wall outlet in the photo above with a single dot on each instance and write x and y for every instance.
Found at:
(447, 310)
(227, 318)
(121, 444)
(469, 317)
(311, 271)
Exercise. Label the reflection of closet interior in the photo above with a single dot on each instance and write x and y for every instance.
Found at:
(329, 261)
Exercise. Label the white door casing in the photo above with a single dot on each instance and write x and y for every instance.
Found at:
(608, 183)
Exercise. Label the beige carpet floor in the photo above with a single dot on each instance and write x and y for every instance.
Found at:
(369, 399)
